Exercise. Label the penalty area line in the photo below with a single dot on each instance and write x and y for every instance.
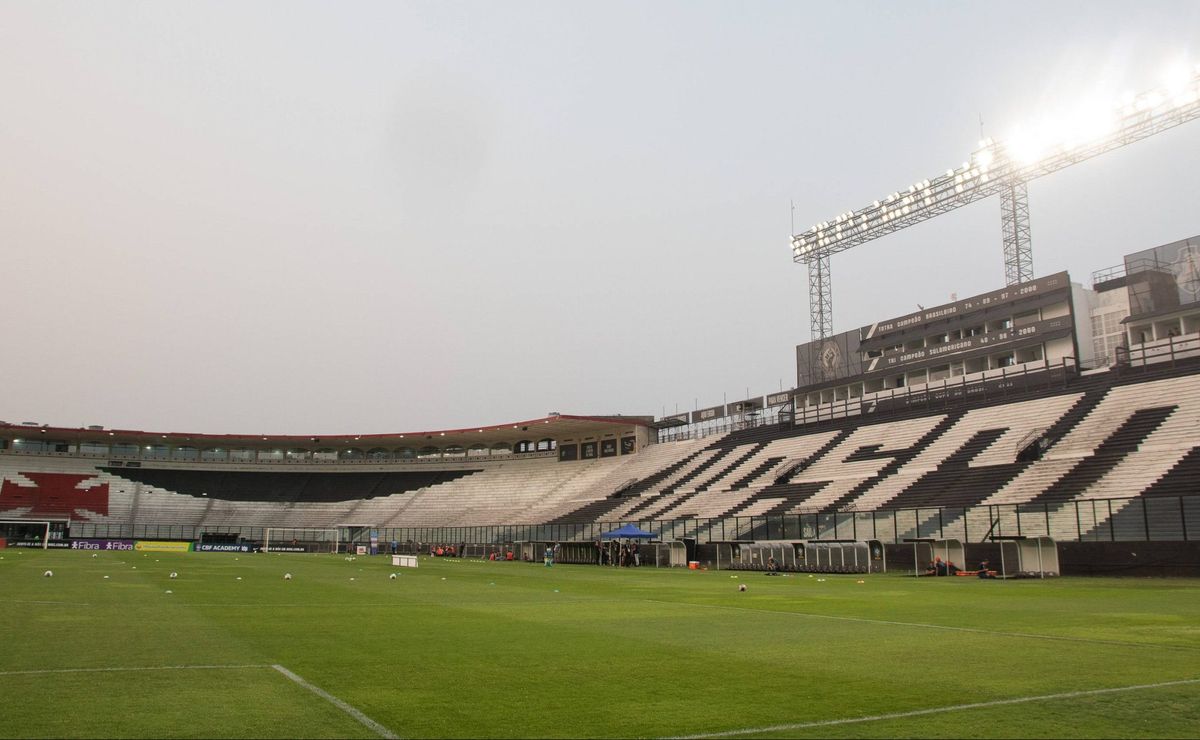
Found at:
(937, 710)
(362, 719)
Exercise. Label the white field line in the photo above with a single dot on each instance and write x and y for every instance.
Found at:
(54, 603)
(926, 625)
(363, 719)
(356, 714)
(936, 710)
(136, 668)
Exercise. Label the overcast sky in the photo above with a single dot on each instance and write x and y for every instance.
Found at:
(299, 217)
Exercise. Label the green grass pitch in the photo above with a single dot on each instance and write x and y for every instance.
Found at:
(476, 649)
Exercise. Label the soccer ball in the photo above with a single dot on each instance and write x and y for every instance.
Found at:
(741, 587)
(174, 574)
(287, 576)
(239, 578)
(48, 573)
(95, 555)
(392, 576)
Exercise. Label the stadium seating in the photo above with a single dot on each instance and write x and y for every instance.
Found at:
(1124, 440)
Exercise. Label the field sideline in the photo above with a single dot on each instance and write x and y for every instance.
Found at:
(474, 649)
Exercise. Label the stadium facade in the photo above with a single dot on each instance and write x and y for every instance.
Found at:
(1044, 409)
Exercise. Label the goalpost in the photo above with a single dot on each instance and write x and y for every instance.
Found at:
(323, 540)
(26, 522)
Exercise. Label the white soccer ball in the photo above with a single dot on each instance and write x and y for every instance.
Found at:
(287, 576)
(95, 555)
(174, 574)
(170, 591)
(741, 587)
(239, 578)
(392, 576)
(352, 578)
(48, 573)
(106, 578)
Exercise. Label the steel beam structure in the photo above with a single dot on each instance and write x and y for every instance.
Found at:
(1014, 222)
(991, 170)
(820, 298)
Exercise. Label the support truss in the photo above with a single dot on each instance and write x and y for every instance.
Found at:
(820, 298)
(1014, 222)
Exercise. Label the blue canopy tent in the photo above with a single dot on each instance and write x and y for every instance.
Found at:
(629, 531)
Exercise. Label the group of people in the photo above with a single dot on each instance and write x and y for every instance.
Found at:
(941, 567)
(618, 554)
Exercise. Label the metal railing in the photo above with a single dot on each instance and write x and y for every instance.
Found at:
(1167, 351)
(1136, 519)
(996, 384)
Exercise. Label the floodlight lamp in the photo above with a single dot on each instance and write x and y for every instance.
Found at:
(1176, 79)
(984, 158)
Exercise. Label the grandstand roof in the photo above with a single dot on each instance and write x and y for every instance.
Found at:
(557, 426)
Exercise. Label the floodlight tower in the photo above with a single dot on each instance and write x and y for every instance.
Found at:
(996, 168)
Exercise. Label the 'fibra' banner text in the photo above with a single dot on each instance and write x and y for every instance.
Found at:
(101, 544)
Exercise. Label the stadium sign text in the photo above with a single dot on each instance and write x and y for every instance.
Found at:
(223, 548)
(101, 544)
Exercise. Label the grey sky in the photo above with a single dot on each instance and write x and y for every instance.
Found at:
(370, 217)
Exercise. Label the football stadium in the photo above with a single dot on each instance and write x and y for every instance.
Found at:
(977, 519)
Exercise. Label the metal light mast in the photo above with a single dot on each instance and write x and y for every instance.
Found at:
(996, 168)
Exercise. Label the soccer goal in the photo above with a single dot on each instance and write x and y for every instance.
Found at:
(23, 530)
(289, 539)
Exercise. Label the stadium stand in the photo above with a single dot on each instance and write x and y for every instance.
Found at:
(1108, 437)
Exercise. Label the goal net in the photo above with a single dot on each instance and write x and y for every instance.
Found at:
(25, 533)
(278, 539)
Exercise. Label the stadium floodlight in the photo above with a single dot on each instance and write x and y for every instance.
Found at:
(1000, 168)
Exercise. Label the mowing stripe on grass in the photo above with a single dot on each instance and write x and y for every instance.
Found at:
(363, 719)
(926, 625)
(136, 668)
(936, 710)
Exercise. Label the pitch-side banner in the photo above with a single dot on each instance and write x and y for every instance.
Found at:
(162, 546)
(101, 544)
